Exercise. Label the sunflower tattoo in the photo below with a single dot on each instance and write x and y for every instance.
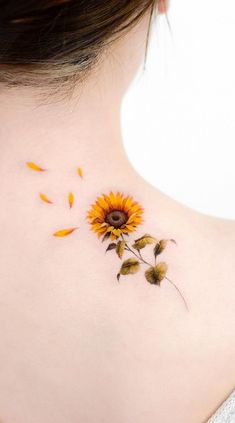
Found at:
(114, 217)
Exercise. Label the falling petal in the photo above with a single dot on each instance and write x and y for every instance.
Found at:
(45, 199)
(64, 232)
(80, 172)
(71, 199)
(35, 167)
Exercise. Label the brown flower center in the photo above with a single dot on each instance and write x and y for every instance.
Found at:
(116, 218)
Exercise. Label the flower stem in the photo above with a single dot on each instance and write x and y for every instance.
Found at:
(133, 252)
(140, 255)
(176, 287)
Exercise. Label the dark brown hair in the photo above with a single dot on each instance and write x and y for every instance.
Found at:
(51, 42)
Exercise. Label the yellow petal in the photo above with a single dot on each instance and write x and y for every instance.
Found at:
(80, 172)
(97, 226)
(71, 199)
(35, 167)
(136, 209)
(119, 199)
(128, 203)
(102, 203)
(110, 228)
(107, 199)
(130, 228)
(45, 198)
(113, 199)
(131, 219)
(101, 229)
(125, 231)
(98, 209)
(95, 220)
(64, 232)
(117, 232)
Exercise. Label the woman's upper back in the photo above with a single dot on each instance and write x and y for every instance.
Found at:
(77, 345)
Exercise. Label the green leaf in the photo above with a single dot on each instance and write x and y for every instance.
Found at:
(106, 236)
(130, 266)
(155, 274)
(111, 246)
(152, 276)
(160, 247)
(143, 241)
(120, 248)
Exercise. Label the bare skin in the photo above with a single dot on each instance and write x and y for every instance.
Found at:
(76, 346)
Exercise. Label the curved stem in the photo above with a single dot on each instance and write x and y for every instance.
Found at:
(141, 257)
(176, 287)
(133, 252)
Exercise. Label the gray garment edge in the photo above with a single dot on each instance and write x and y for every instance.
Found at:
(225, 413)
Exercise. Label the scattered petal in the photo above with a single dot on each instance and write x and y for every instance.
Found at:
(71, 199)
(64, 232)
(35, 167)
(80, 172)
(45, 198)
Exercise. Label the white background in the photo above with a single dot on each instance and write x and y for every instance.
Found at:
(179, 115)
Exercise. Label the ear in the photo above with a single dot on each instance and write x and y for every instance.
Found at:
(162, 6)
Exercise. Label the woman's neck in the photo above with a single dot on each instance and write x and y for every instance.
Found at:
(83, 132)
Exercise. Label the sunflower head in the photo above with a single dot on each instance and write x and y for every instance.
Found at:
(114, 214)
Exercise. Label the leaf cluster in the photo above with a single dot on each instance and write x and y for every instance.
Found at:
(155, 273)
